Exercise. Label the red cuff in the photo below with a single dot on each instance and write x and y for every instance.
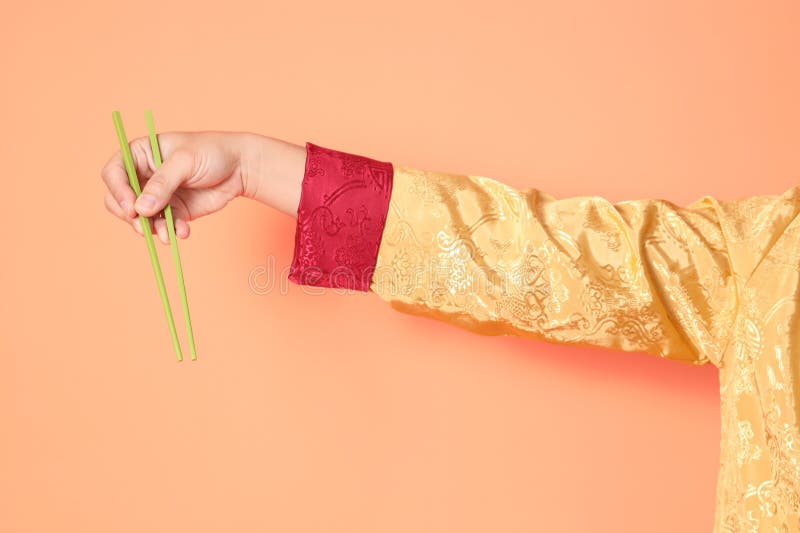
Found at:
(343, 203)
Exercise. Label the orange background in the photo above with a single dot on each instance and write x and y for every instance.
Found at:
(334, 413)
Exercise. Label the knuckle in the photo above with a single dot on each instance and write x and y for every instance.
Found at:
(107, 173)
(166, 142)
(183, 156)
(143, 159)
(110, 204)
(114, 175)
(115, 159)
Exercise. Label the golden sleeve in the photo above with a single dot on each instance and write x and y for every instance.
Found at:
(712, 281)
(637, 275)
(640, 275)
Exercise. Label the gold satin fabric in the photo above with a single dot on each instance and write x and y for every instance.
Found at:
(711, 282)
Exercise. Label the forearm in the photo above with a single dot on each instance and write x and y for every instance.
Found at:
(272, 171)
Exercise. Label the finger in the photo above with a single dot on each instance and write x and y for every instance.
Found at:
(116, 177)
(138, 227)
(180, 204)
(161, 230)
(181, 228)
(180, 215)
(168, 177)
(115, 209)
(116, 180)
(180, 224)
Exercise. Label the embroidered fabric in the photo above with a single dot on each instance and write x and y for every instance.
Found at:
(710, 282)
(340, 218)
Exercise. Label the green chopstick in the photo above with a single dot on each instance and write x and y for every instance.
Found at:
(173, 240)
(144, 221)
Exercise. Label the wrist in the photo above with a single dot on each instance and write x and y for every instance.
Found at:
(272, 171)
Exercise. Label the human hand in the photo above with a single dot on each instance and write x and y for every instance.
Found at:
(200, 174)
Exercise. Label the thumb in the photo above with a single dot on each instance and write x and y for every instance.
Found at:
(168, 177)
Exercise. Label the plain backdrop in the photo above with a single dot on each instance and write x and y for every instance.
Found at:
(332, 412)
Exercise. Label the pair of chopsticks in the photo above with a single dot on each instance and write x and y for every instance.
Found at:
(130, 168)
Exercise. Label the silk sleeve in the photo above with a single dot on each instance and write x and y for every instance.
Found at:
(639, 275)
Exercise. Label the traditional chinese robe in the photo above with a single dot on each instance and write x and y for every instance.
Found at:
(711, 282)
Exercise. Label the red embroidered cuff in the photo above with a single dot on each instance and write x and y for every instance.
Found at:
(343, 203)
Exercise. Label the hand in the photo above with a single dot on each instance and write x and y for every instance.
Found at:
(200, 174)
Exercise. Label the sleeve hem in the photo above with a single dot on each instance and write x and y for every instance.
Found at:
(341, 215)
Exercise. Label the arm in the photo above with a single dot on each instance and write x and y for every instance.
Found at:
(639, 275)
(642, 275)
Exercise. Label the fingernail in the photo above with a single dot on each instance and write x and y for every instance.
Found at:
(138, 226)
(146, 201)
